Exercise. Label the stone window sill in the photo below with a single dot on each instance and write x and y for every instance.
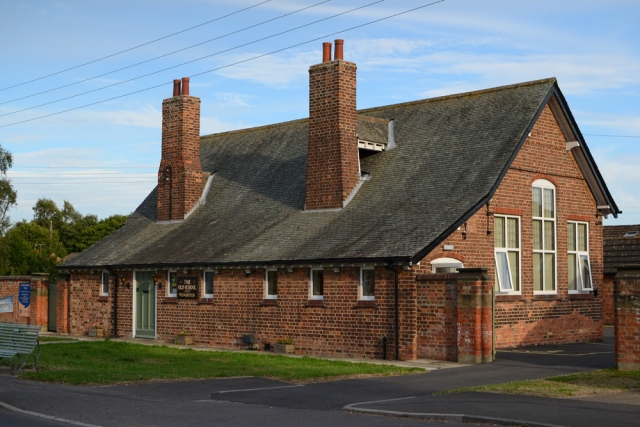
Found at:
(505, 298)
(205, 301)
(269, 302)
(103, 298)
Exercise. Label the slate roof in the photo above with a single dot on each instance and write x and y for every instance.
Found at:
(619, 250)
(450, 156)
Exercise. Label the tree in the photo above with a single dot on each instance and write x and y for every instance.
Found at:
(80, 234)
(8, 195)
(28, 248)
(46, 213)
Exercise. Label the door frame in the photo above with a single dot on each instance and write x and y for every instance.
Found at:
(133, 305)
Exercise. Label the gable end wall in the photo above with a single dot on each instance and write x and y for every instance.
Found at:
(527, 319)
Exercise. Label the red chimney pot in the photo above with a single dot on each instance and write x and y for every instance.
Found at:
(339, 53)
(185, 86)
(176, 87)
(326, 52)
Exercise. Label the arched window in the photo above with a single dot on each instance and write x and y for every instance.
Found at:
(446, 265)
(544, 236)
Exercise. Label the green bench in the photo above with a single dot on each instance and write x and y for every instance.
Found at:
(18, 343)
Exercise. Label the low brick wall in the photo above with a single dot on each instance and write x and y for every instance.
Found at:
(38, 309)
(455, 316)
(627, 318)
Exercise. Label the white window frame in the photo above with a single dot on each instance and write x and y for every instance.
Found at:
(506, 250)
(169, 293)
(311, 295)
(580, 288)
(266, 284)
(545, 184)
(361, 285)
(102, 292)
(204, 283)
(445, 263)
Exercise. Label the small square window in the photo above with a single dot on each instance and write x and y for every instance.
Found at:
(208, 284)
(104, 289)
(317, 284)
(367, 284)
(271, 284)
(629, 234)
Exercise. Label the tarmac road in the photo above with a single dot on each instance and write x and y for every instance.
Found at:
(251, 401)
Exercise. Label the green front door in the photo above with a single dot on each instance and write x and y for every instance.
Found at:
(145, 305)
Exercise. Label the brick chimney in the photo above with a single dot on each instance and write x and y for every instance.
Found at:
(180, 173)
(333, 166)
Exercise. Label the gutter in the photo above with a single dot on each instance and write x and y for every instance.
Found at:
(330, 262)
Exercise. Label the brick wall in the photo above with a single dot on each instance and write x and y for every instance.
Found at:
(333, 165)
(437, 316)
(62, 304)
(627, 318)
(181, 152)
(86, 305)
(527, 318)
(341, 326)
(38, 308)
(606, 292)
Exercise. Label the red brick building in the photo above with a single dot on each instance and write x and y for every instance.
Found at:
(440, 228)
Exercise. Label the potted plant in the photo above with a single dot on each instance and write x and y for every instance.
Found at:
(284, 346)
(96, 331)
(183, 337)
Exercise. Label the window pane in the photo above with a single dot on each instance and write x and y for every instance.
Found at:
(173, 282)
(549, 272)
(514, 263)
(318, 282)
(548, 203)
(573, 278)
(272, 283)
(537, 202)
(582, 237)
(208, 282)
(537, 272)
(105, 283)
(446, 270)
(512, 233)
(499, 232)
(367, 283)
(504, 277)
(537, 235)
(549, 238)
(571, 237)
(586, 272)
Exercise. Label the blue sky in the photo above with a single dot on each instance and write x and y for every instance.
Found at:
(104, 158)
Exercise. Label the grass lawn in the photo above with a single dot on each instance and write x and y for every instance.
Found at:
(606, 381)
(49, 338)
(106, 362)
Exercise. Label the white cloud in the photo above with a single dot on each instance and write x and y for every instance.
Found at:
(274, 70)
(233, 99)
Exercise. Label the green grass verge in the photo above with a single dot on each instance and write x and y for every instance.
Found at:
(48, 338)
(106, 362)
(606, 381)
